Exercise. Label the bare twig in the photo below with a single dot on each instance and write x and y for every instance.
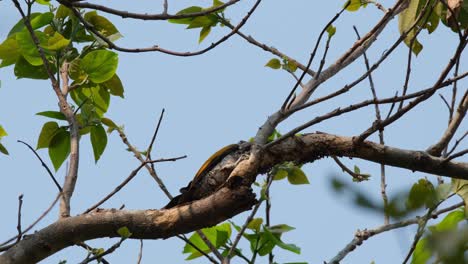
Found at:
(457, 142)
(156, 48)
(414, 103)
(363, 235)
(34, 223)
(144, 16)
(106, 252)
(312, 56)
(140, 252)
(155, 134)
(18, 227)
(457, 118)
(150, 168)
(456, 155)
(43, 165)
(127, 180)
(339, 111)
(356, 176)
(378, 117)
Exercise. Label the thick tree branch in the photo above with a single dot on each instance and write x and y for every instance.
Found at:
(223, 204)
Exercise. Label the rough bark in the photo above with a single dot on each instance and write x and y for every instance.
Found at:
(228, 201)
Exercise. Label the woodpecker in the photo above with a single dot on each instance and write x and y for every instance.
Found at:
(187, 193)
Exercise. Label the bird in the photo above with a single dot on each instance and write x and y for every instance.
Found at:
(187, 193)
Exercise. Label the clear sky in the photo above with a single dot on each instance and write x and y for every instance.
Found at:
(219, 98)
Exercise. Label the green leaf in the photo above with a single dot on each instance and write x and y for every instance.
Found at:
(56, 42)
(124, 232)
(53, 114)
(59, 148)
(296, 176)
(3, 132)
(460, 187)
(331, 30)
(28, 48)
(114, 86)
(281, 228)
(43, 2)
(9, 51)
(354, 5)
(255, 224)
(62, 12)
(95, 94)
(204, 33)
(3, 149)
(274, 64)
(100, 65)
(203, 21)
(23, 69)
(217, 235)
(277, 241)
(102, 25)
(48, 131)
(37, 20)
(405, 20)
(422, 252)
(291, 65)
(76, 73)
(108, 122)
(188, 10)
(421, 193)
(98, 141)
(280, 174)
(450, 222)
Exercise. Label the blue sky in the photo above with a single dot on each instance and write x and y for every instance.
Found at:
(219, 98)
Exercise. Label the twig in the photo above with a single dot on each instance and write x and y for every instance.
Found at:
(89, 249)
(353, 107)
(411, 105)
(150, 147)
(106, 252)
(18, 227)
(247, 221)
(34, 223)
(363, 235)
(357, 176)
(70, 179)
(127, 180)
(457, 142)
(209, 244)
(456, 155)
(378, 117)
(457, 118)
(140, 253)
(408, 67)
(112, 45)
(312, 56)
(448, 105)
(43, 165)
(139, 156)
(126, 14)
(165, 7)
(267, 48)
(378, 5)
(182, 237)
